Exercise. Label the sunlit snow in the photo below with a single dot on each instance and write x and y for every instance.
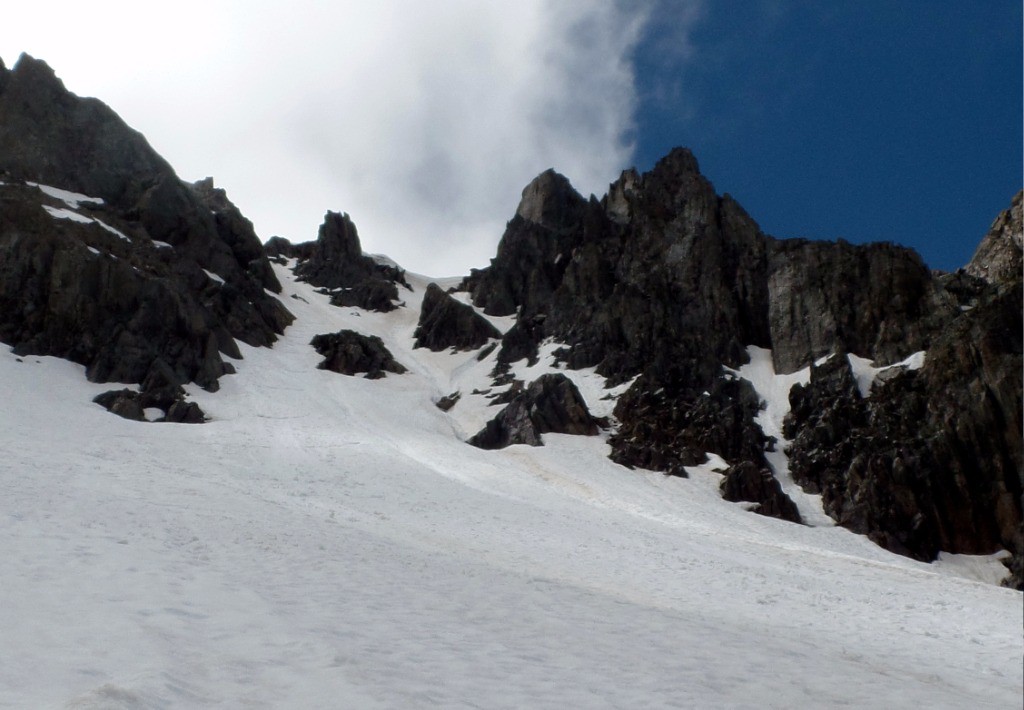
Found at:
(64, 213)
(773, 389)
(330, 541)
(866, 373)
(213, 277)
(71, 199)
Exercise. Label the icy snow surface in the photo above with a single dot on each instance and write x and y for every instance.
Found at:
(866, 373)
(71, 199)
(328, 541)
(214, 277)
(774, 390)
(64, 213)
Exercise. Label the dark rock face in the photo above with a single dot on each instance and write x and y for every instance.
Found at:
(747, 482)
(280, 248)
(667, 282)
(551, 404)
(932, 459)
(153, 276)
(349, 353)
(337, 263)
(665, 429)
(876, 298)
(446, 323)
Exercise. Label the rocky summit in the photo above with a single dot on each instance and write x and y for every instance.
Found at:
(820, 378)
(667, 284)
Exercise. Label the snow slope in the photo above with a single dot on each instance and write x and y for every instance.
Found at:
(329, 541)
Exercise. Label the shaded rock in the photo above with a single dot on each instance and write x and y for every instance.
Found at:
(149, 272)
(448, 401)
(349, 353)
(534, 251)
(124, 403)
(1015, 566)
(748, 482)
(668, 427)
(446, 323)
(676, 282)
(874, 300)
(551, 404)
(185, 413)
(279, 247)
(337, 263)
(932, 459)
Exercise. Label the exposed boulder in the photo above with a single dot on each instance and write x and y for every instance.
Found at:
(132, 405)
(124, 403)
(337, 263)
(446, 403)
(551, 404)
(138, 271)
(748, 482)
(446, 323)
(349, 353)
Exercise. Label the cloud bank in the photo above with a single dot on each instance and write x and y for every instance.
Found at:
(422, 120)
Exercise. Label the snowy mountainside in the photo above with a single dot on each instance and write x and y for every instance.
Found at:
(257, 528)
(326, 540)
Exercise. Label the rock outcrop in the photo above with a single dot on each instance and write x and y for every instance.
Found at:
(876, 300)
(107, 258)
(932, 459)
(551, 404)
(336, 263)
(747, 482)
(666, 282)
(445, 323)
(667, 428)
(133, 405)
(350, 353)
(998, 259)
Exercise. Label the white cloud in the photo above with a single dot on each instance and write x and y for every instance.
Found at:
(423, 120)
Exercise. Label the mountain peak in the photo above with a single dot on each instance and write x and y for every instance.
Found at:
(998, 258)
(678, 160)
(549, 200)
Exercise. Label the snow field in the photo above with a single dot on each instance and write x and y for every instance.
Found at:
(327, 541)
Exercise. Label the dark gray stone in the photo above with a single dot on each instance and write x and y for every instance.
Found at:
(551, 404)
(349, 353)
(748, 482)
(445, 323)
(337, 263)
(122, 307)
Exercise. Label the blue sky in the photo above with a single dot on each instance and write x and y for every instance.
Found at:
(869, 120)
(864, 119)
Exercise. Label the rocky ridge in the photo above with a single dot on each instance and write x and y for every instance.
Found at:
(336, 263)
(108, 259)
(664, 281)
